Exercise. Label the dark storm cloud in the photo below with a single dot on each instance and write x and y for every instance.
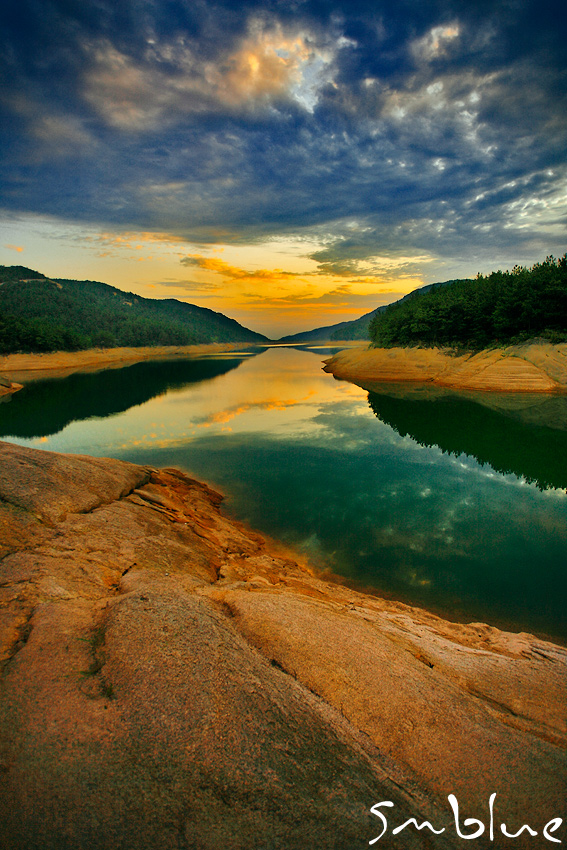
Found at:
(378, 126)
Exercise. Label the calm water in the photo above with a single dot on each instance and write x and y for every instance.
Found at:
(433, 499)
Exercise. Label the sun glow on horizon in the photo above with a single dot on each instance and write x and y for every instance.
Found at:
(273, 287)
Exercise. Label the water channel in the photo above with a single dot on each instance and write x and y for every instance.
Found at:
(453, 502)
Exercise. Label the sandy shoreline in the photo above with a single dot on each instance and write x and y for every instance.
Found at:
(529, 368)
(22, 368)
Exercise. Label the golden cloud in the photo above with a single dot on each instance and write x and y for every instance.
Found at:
(267, 65)
(435, 43)
(214, 264)
(314, 285)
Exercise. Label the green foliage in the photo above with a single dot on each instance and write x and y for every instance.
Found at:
(499, 309)
(13, 273)
(38, 314)
(354, 330)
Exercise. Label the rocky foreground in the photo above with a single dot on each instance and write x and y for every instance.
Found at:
(172, 680)
(529, 368)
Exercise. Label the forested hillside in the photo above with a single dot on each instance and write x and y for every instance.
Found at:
(360, 328)
(357, 329)
(40, 314)
(338, 331)
(501, 308)
(354, 329)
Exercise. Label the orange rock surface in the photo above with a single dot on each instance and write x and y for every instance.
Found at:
(7, 386)
(172, 679)
(527, 368)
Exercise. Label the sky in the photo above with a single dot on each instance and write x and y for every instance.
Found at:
(291, 164)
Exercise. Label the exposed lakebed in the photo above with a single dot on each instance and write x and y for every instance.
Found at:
(434, 498)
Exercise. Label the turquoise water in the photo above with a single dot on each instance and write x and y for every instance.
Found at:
(433, 499)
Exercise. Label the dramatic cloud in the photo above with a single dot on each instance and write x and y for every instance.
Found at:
(427, 135)
(170, 83)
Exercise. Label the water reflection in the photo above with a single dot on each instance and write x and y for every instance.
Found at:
(427, 501)
(47, 406)
(501, 438)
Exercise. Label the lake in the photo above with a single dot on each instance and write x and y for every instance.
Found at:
(433, 498)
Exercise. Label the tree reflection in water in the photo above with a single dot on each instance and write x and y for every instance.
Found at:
(508, 439)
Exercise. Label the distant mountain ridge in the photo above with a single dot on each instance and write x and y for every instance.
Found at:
(329, 331)
(43, 314)
(356, 328)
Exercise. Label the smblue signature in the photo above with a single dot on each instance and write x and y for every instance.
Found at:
(552, 825)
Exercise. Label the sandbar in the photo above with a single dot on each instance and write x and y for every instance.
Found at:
(528, 368)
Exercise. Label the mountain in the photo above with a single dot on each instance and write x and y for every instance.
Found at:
(329, 331)
(355, 329)
(42, 314)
